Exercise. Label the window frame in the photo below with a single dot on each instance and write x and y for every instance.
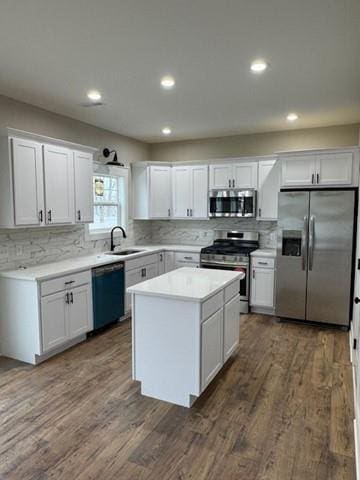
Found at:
(111, 171)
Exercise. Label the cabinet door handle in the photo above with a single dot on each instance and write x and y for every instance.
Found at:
(312, 178)
(317, 178)
(41, 216)
(187, 212)
(49, 216)
(161, 257)
(191, 212)
(67, 298)
(233, 183)
(168, 212)
(229, 183)
(79, 214)
(253, 275)
(259, 212)
(71, 297)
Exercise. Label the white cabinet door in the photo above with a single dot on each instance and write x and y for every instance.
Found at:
(262, 287)
(199, 191)
(268, 190)
(231, 326)
(211, 347)
(59, 184)
(151, 271)
(83, 169)
(53, 320)
(27, 182)
(245, 175)
(334, 168)
(181, 192)
(169, 261)
(132, 277)
(221, 175)
(160, 192)
(80, 318)
(298, 170)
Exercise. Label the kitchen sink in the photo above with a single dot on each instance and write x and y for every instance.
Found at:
(124, 252)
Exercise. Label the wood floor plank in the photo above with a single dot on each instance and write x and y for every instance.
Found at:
(281, 409)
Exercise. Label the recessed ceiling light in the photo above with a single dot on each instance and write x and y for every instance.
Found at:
(166, 131)
(258, 66)
(291, 117)
(168, 82)
(94, 95)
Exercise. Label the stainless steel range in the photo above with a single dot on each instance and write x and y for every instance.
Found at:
(231, 251)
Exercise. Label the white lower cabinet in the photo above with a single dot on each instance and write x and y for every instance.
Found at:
(212, 347)
(231, 327)
(53, 321)
(66, 314)
(80, 310)
(262, 283)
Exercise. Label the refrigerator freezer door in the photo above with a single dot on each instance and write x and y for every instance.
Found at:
(330, 256)
(292, 253)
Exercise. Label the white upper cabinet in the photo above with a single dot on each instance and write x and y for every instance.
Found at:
(190, 191)
(199, 180)
(334, 168)
(151, 191)
(160, 191)
(316, 168)
(83, 171)
(298, 170)
(59, 181)
(221, 176)
(268, 189)
(245, 175)
(234, 175)
(40, 181)
(181, 188)
(27, 170)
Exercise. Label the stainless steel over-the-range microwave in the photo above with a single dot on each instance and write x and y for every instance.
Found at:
(232, 203)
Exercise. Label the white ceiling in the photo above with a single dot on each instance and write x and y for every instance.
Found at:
(53, 51)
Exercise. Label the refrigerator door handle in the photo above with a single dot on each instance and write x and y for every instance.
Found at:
(311, 241)
(304, 241)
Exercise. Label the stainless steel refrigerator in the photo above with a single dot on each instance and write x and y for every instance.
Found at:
(315, 244)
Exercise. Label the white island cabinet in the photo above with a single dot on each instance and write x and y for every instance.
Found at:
(185, 326)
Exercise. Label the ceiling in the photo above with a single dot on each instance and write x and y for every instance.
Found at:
(52, 52)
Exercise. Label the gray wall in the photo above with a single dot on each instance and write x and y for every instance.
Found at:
(55, 243)
(256, 144)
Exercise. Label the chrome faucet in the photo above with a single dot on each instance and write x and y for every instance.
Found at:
(112, 246)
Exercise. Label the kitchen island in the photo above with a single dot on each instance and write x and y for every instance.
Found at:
(185, 326)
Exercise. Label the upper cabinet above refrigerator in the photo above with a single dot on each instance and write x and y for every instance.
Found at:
(320, 168)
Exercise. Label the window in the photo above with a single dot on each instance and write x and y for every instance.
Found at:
(110, 201)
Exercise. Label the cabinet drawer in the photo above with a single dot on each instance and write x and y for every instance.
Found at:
(187, 257)
(141, 261)
(232, 290)
(61, 283)
(211, 305)
(263, 262)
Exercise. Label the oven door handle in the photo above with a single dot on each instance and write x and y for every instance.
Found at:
(231, 265)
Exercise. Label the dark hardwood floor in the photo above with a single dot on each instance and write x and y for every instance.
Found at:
(280, 410)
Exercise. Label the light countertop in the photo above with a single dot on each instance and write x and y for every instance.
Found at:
(46, 271)
(264, 252)
(192, 284)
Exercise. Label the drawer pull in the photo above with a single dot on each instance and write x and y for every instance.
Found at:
(69, 282)
(188, 258)
(263, 263)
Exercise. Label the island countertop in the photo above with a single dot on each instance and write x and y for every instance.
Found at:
(191, 284)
